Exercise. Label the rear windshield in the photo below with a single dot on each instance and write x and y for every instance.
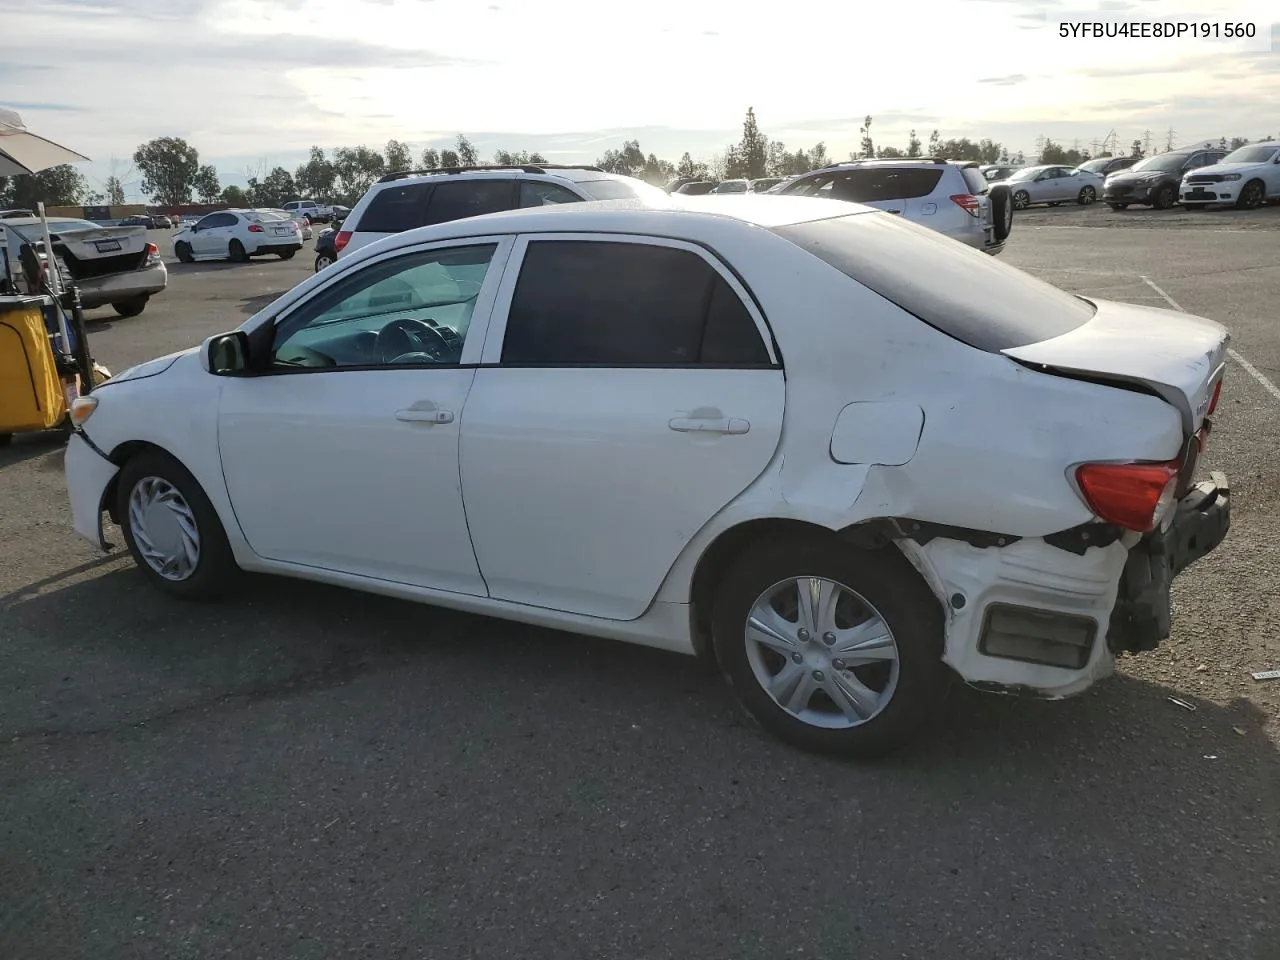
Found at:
(870, 184)
(976, 182)
(963, 292)
(396, 209)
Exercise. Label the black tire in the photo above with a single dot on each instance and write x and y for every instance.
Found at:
(1165, 197)
(891, 587)
(1118, 206)
(236, 251)
(286, 254)
(1086, 196)
(1251, 195)
(131, 307)
(182, 251)
(6, 439)
(1001, 213)
(1021, 200)
(1194, 206)
(215, 572)
(323, 260)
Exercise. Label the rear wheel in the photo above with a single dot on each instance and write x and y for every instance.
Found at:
(131, 307)
(171, 528)
(1087, 196)
(183, 251)
(832, 650)
(323, 260)
(1251, 196)
(236, 251)
(286, 254)
(1021, 200)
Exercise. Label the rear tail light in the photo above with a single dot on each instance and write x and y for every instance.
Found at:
(153, 250)
(966, 202)
(1134, 496)
(340, 240)
(256, 228)
(1213, 401)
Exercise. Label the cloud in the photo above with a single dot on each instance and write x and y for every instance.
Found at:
(1011, 80)
(51, 107)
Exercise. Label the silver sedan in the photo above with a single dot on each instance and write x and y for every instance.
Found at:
(1052, 185)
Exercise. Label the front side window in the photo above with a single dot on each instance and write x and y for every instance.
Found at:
(410, 310)
(456, 199)
(605, 303)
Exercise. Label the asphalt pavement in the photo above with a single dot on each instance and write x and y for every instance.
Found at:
(313, 773)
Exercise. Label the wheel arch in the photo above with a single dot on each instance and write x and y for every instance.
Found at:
(121, 454)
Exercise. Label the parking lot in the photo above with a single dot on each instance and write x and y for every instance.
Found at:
(313, 773)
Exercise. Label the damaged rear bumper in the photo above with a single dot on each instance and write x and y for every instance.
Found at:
(1143, 614)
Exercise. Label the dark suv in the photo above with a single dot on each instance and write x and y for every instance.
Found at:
(1153, 182)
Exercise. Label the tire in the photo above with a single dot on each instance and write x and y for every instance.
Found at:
(182, 251)
(1118, 206)
(286, 254)
(1194, 206)
(323, 260)
(1251, 195)
(1165, 197)
(914, 680)
(6, 439)
(1001, 214)
(1086, 196)
(1021, 200)
(131, 307)
(215, 571)
(236, 251)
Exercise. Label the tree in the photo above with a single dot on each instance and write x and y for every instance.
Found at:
(448, 158)
(398, 156)
(357, 168)
(913, 145)
(867, 148)
(114, 191)
(1136, 149)
(56, 187)
(169, 167)
(628, 161)
(315, 178)
(430, 159)
(753, 149)
(274, 190)
(234, 196)
(889, 153)
(935, 142)
(507, 158)
(468, 156)
(206, 185)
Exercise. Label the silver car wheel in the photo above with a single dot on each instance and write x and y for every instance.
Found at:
(164, 528)
(822, 652)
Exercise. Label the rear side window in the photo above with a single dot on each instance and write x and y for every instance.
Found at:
(455, 199)
(950, 286)
(626, 304)
(396, 209)
(870, 184)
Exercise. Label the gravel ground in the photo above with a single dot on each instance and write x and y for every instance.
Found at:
(314, 773)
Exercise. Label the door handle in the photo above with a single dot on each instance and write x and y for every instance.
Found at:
(731, 425)
(412, 415)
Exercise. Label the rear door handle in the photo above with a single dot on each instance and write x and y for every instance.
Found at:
(412, 415)
(733, 425)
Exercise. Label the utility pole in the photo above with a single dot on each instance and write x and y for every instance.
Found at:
(1168, 144)
(1146, 144)
(1040, 141)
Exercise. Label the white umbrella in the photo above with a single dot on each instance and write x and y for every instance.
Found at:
(21, 151)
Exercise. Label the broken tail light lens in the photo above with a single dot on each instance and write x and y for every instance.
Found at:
(1213, 401)
(1134, 496)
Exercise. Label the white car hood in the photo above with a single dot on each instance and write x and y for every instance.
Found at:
(1229, 168)
(1177, 355)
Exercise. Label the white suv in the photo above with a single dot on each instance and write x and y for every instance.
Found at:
(953, 198)
(418, 198)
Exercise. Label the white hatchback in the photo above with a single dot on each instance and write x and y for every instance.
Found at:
(837, 453)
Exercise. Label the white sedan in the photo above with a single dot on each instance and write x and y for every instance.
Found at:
(237, 235)
(1053, 185)
(837, 453)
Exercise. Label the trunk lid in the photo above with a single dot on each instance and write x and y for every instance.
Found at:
(1178, 356)
(98, 242)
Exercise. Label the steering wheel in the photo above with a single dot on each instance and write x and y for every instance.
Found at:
(400, 341)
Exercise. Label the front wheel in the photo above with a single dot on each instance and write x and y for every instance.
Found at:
(1251, 196)
(831, 649)
(172, 530)
(1021, 200)
(131, 307)
(1165, 197)
(183, 251)
(1087, 196)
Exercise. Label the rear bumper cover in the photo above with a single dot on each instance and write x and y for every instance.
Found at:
(1143, 615)
(116, 287)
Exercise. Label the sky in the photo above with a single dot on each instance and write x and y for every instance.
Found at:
(254, 83)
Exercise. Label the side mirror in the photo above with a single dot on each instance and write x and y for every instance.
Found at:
(226, 354)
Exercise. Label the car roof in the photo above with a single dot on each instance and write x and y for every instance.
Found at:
(679, 217)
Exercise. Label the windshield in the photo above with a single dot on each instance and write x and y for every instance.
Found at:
(965, 293)
(621, 189)
(1163, 163)
(1258, 153)
(1029, 173)
(732, 186)
(1095, 166)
